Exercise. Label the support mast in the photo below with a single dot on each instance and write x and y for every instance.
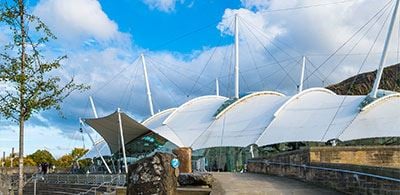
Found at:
(94, 145)
(93, 107)
(217, 87)
(121, 131)
(236, 56)
(379, 73)
(147, 85)
(303, 68)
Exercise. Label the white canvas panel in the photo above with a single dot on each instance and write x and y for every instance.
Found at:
(108, 128)
(380, 119)
(156, 121)
(312, 115)
(242, 122)
(92, 153)
(191, 119)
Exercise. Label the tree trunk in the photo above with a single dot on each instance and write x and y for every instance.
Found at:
(21, 156)
(22, 100)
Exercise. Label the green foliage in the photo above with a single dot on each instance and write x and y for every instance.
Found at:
(42, 156)
(68, 159)
(65, 161)
(31, 83)
(78, 152)
(27, 161)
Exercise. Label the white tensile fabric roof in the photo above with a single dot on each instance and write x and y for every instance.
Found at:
(380, 118)
(190, 120)
(103, 148)
(108, 128)
(312, 115)
(242, 122)
(264, 118)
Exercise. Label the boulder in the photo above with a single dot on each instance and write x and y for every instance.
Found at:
(152, 175)
(195, 179)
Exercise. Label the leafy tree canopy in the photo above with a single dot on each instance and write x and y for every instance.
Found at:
(42, 156)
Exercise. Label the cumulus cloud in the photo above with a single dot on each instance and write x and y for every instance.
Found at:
(318, 31)
(77, 20)
(162, 5)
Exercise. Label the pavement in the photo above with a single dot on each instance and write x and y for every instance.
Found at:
(259, 184)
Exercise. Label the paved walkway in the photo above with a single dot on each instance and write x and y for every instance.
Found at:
(248, 183)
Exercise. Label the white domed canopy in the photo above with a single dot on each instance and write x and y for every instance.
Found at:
(241, 123)
(190, 120)
(380, 118)
(263, 118)
(315, 114)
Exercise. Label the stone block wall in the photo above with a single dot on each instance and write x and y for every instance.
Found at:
(294, 157)
(382, 156)
(382, 161)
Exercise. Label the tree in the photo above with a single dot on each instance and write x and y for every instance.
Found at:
(65, 161)
(78, 152)
(29, 77)
(42, 156)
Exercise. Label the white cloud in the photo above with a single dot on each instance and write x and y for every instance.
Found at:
(77, 19)
(162, 5)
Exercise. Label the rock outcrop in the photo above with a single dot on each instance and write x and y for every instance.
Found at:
(361, 84)
(195, 179)
(152, 175)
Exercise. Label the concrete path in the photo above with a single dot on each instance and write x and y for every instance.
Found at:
(257, 184)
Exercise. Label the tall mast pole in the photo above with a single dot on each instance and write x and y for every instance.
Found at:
(149, 99)
(95, 147)
(217, 87)
(121, 131)
(379, 73)
(93, 107)
(236, 56)
(303, 68)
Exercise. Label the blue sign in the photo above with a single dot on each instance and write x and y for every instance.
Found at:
(175, 163)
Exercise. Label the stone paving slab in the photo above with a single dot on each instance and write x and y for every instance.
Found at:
(259, 184)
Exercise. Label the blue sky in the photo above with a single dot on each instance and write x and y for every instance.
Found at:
(145, 24)
(188, 43)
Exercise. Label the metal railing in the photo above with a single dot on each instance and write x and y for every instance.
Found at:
(95, 179)
(355, 173)
(95, 188)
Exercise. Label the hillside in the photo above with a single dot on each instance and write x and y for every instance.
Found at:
(364, 82)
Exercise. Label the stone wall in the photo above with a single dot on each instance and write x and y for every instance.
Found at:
(309, 165)
(294, 157)
(382, 156)
(5, 184)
